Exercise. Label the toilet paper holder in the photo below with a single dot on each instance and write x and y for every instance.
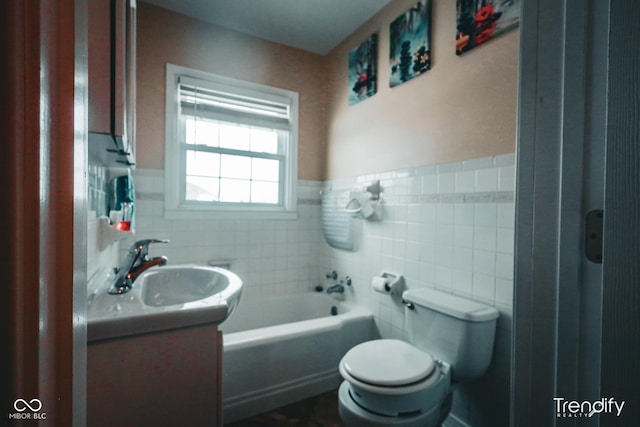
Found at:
(394, 283)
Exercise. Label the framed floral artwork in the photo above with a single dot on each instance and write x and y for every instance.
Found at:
(362, 70)
(478, 21)
(410, 44)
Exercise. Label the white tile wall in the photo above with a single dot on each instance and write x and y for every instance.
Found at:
(449, 227)
(271, 256)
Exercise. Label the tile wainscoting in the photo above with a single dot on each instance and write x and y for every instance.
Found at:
(273, 257)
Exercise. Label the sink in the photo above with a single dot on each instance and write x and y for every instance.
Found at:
(162, 298)
(170, 285)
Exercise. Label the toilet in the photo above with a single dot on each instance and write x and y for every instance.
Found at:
(392, 382)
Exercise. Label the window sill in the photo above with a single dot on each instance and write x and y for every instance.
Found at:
(195, 214)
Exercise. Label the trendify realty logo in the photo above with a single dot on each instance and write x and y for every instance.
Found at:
(574, 409)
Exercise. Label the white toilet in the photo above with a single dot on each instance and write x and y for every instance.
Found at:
(390, 382)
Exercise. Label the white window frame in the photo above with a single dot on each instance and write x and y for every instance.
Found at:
(174, 172)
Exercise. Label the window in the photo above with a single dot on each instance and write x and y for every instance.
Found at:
(230, 149)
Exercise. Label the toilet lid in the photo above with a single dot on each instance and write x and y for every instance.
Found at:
(387, 362)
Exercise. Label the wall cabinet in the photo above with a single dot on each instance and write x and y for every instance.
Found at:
(112, 79)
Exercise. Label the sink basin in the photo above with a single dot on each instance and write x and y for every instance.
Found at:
(162, 298)
(171, 285)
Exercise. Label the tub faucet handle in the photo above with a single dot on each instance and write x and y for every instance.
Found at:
(332, 275)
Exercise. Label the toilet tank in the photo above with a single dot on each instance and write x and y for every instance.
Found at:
(452, 329)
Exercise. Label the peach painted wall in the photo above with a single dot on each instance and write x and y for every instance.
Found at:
(463, 108)
(166, 37)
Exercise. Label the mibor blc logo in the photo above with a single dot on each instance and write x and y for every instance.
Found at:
(27, 410)
(575, 409)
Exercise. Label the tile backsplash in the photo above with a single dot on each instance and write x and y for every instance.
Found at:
(272, 256)
(98, 186)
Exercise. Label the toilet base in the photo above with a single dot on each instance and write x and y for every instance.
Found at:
(354, 415)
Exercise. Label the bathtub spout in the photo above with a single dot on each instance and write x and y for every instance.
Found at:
(335, 289)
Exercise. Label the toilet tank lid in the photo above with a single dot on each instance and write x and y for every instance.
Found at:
(452, 305)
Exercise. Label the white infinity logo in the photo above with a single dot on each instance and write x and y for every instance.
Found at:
(37, 405)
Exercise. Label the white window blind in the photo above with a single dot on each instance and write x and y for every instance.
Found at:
(234, 146)
(204, 98)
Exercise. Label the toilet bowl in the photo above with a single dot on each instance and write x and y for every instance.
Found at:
(353, 415)
(389, 382)
(392, 382)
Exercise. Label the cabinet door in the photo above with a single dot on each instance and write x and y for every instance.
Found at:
(130, 107)
(119, 67)
(99, 34)
(112, 39)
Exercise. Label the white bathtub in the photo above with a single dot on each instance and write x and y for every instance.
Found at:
(281, 350)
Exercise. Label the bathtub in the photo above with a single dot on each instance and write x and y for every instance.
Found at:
(283, 349)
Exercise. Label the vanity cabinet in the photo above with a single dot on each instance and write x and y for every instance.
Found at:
(112, 79)
(163, 378)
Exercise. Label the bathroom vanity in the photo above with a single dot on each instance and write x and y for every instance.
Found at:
(154, 353)
(165, 378)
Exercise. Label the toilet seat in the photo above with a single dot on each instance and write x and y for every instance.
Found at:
(392, 378)
(387, 363)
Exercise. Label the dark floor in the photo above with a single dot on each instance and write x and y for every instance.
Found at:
(319, 411)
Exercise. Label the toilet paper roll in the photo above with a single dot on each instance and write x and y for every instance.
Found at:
(380, 284)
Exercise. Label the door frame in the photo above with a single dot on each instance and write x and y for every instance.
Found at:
(578, 66)
(43, 169)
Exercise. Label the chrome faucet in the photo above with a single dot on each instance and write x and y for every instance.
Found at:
(134, 264)
(339, 288)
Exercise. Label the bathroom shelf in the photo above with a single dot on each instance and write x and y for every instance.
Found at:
(109, 233)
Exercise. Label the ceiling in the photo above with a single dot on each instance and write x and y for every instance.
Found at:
(312, 25)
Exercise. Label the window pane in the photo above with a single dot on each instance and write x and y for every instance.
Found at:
(201, 189)
(234, 190)
(235, 137)
(265, 169)
(235, 166)
(203, 164)
(264, 192)
(264, 140)
(190, 131)
(203, 132)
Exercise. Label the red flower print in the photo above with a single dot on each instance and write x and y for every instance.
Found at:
(485, 13)
(485, 34)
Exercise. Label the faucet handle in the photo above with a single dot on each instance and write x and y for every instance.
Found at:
(147, 242)
(142, 246)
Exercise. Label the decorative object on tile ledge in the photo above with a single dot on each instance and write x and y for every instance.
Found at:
(363, 70)
(410, 43)
(478, 21)
(366, 204)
